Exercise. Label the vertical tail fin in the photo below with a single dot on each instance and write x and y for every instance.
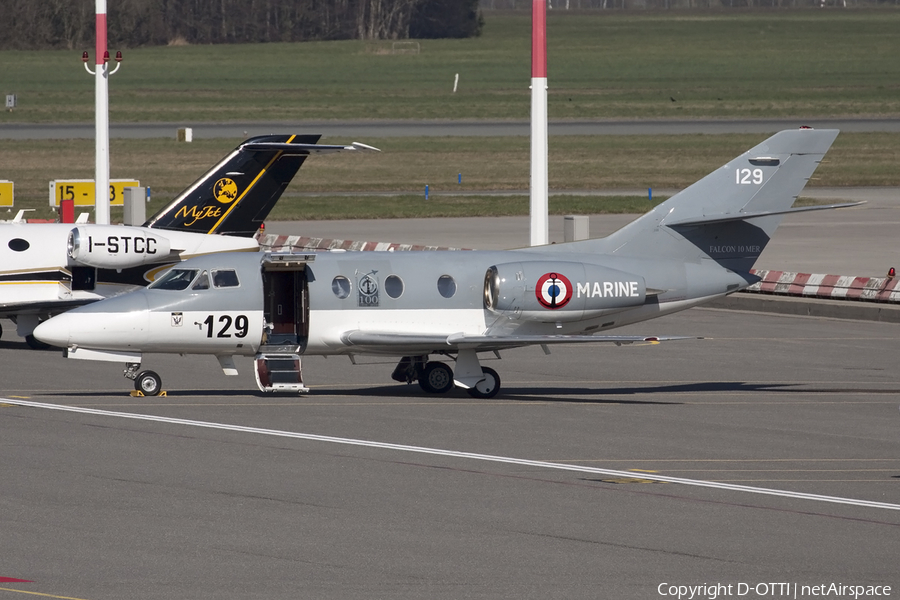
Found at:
(729, 215)
(236, 195)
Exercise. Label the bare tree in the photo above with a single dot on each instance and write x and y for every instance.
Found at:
(384, 19)
(70, 23)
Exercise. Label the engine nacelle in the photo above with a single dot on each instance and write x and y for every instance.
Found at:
(115, 247)
(559, 291)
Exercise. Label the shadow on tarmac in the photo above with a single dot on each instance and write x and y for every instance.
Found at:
(580, 395)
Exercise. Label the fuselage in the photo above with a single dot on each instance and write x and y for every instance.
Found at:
(698, 245)
(319, 305)
(38, 275)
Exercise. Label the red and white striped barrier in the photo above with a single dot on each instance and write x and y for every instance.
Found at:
(298, 243)
(836, 287)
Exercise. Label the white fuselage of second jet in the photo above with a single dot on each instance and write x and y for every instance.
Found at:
(41, 273)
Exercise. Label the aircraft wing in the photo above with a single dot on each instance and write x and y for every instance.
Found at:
(53, 307)
(394, 343)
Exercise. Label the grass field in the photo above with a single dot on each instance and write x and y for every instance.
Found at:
(406, 165)
(675, 64)
(602, 65)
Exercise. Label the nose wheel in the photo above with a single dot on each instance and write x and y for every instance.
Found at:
(146, 383)
(149, 383)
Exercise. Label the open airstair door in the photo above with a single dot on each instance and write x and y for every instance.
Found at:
(286, 314)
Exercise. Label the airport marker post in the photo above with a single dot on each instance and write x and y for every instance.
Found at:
(101, 114)
(540, 226)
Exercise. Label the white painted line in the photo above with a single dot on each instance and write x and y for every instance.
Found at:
(457, 454)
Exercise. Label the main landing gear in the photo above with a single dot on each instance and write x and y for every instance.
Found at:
(146, 383)
(36, 344)
(437, 377)
(25, 325)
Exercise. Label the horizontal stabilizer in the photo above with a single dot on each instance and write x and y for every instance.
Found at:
(237, 194)
(709, 219)
(308, 148)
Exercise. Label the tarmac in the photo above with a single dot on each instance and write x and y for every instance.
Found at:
(764, 452)
(759, 458)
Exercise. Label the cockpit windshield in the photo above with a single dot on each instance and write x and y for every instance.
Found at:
(175, 279)
(225, 278)
(202, 282)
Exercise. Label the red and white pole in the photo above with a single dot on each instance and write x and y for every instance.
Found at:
(101, 118)
(540, 226)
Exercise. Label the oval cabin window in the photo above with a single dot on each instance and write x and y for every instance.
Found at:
(340, 286)
(19, 245)
(393, 285)
(446, 286)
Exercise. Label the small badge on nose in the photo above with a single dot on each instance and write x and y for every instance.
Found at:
(177, 319)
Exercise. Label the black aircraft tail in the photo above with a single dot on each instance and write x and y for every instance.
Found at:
(236, 195)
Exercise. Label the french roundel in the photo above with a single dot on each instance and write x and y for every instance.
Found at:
(553, 290)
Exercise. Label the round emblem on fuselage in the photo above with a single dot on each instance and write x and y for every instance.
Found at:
(553, 290)
(225, 190)
(368, 285)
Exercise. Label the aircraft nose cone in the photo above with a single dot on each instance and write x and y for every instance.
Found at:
(110, 324)
(55, 331)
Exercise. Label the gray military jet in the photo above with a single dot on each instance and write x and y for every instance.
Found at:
(699, 245)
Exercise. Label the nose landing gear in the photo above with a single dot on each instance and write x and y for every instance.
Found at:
(149, 383)
(146, 383)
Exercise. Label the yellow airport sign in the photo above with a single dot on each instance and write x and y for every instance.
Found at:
(82, 191)
(6, 193)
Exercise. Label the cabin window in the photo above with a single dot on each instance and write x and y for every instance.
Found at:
(340, 285)
(175, 279)
(19, 245)
(446, 286)
(202, 282)
(225, 278)
(393, 286)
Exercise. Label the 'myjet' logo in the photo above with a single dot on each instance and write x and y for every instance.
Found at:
(553, 290)
(225, 190)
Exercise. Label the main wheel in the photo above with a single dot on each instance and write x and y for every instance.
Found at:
(35, 344)
(487, 387)
(148, 383)
(436, 378)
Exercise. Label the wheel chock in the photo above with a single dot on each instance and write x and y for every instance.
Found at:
(140, 394)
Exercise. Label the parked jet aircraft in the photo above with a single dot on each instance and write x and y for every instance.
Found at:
(46, 269)
(698, 245)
